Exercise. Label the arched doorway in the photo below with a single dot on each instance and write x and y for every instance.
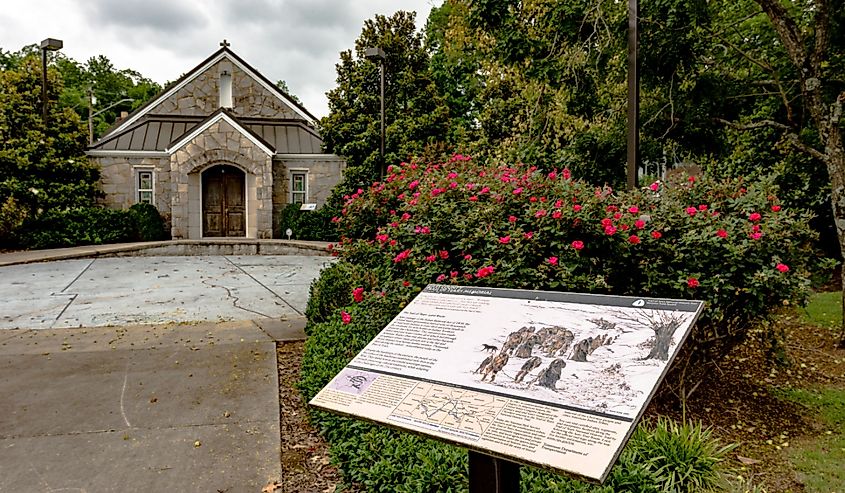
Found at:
(223, 204)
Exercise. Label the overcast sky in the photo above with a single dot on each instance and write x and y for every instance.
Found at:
(294, 40)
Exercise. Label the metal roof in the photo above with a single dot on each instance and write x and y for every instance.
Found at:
(158, 132)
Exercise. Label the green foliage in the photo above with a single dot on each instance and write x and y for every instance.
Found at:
(307, 225)
(12, 216)
(42, 167)
(824, 309)
(728, 243)
(819, 461)
(680, 457)
(415, 114)
(515, 227)
(78, 226)
(666, 457)
(331, 291)
(148, 223)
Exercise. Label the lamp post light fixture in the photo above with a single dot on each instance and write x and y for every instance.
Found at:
(48, 44)
(378, 54)
(92, 100)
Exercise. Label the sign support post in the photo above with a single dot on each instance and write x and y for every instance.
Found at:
(492, 475)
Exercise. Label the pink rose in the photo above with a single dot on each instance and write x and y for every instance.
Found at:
(578, 245)
(552, 260)
(358, 295)
(692, 282)
(754, 216)
(345, 318)
(722, 233)
(505, 240)
(633, 239)
(782, 267)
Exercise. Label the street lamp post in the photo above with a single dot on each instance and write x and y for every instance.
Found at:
(48, 44)
(378, 54)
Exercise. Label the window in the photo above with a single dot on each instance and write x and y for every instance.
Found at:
(145, 187)
(298, 187)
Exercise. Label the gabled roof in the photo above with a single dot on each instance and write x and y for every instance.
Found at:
(224, 115)
(215, 57)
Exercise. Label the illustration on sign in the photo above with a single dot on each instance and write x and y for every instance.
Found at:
(553, 379)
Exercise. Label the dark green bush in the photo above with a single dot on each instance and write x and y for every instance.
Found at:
(149, 225)
(307, 225)
(728, 243)
(80, 226)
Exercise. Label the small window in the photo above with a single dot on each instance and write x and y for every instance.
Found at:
(145, 187)
(298, 187)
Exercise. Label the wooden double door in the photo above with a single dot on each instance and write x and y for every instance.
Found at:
(223, 204)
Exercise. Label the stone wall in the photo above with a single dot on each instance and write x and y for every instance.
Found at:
(118, 181)
(201, 96)
(221, 143)
(324, 173)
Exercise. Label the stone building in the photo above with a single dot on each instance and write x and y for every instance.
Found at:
(219, 152)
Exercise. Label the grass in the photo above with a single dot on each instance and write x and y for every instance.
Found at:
(819, 462)
(824, 309)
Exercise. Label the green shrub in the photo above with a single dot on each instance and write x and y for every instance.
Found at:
(307, 225)
(149, 226)
(729, 244)
(12, 216)
(80, 226)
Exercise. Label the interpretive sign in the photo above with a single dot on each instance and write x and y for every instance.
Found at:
(545, 378)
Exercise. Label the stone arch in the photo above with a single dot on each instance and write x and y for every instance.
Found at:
(186, 169)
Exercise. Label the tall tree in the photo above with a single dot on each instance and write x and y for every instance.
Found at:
(786, 60)
(42, 165)
(416, 116)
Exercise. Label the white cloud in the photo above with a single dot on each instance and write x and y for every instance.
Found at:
(294, 40)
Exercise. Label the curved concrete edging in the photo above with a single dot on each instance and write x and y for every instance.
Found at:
(172, 247)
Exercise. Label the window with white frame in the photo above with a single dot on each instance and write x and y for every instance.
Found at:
(145, 186)
(298, 187)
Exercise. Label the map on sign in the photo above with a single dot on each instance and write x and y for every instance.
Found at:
(552, 379)
(449, 409)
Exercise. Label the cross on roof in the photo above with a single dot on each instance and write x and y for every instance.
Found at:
(225, 44)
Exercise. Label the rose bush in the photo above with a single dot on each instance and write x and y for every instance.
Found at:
(730, 244)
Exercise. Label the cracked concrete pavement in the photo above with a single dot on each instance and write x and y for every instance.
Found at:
(185, 401)
(144, 290)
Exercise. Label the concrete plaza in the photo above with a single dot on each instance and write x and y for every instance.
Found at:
(145, 373)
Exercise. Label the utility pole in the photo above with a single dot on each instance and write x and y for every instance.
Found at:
(633, 94)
